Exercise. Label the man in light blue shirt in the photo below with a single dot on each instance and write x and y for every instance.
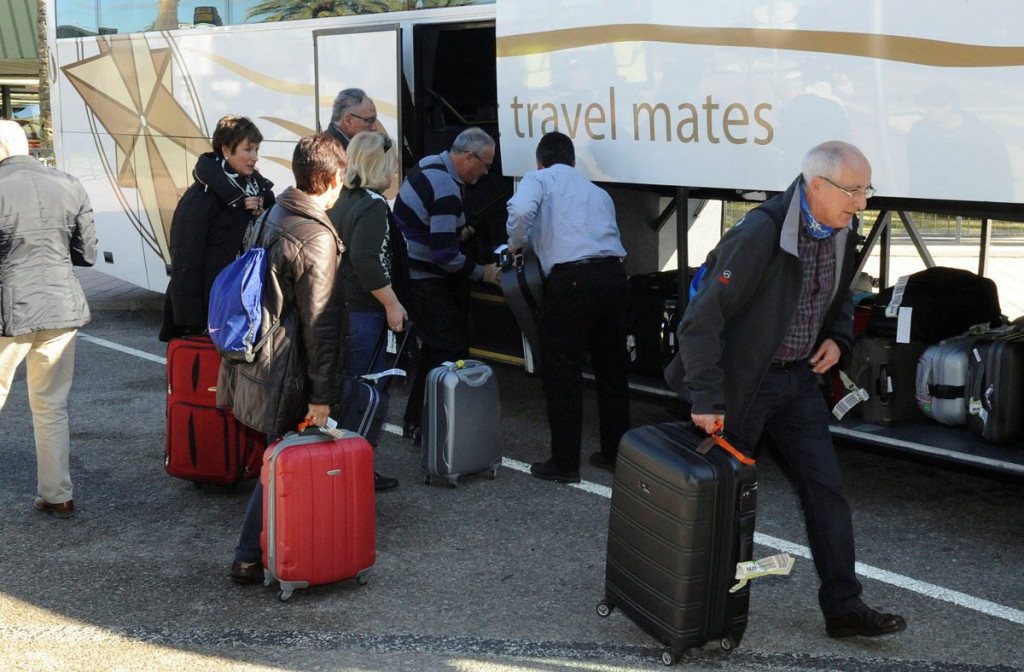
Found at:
(570, 224)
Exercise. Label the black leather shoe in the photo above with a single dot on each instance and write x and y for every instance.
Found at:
(863, 621)
(246, 572)
(60, 510)
(601, 461)
(412, 431)
(549, 471)
(383, 483)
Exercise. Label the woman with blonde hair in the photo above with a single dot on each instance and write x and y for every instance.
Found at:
(375, 260)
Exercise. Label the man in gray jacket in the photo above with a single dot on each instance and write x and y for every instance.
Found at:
(773, 309)
(45, 229)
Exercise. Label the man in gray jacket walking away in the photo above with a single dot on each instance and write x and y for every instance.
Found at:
(45, 229)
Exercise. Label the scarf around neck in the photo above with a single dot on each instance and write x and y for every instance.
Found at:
(815, 228)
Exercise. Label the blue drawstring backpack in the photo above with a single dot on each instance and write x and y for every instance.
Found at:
(236, 304)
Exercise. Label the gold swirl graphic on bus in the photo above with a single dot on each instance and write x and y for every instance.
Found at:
(917, 50)
(284, 86)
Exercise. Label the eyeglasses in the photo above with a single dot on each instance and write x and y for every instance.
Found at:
(866, 192)
(369, 120)
(387, 144)
(477, 157)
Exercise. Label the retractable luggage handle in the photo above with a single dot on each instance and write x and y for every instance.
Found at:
(717, 438)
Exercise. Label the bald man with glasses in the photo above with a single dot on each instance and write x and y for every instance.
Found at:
(774, 309)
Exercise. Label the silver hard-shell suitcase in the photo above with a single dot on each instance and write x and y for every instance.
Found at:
(941, 379)
(461, 421)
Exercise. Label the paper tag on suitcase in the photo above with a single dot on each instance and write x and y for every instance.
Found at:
(780, 564)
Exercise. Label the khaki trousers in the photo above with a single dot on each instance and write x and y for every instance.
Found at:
(50, 363)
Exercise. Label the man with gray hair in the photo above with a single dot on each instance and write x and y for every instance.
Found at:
(429, 210)
(353, 112)
(774, 308)
(45, 229)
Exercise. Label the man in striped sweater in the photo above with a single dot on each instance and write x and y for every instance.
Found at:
(429, 210)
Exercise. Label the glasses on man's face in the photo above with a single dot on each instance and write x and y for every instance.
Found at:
(866, 192)
(477, 157)
(369, 120)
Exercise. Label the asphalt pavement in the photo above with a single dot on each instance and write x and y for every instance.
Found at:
(500, 574)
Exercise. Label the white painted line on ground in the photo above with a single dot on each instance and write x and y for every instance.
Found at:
(123, 348)
(905, 582)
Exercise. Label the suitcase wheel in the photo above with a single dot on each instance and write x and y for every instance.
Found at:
(668, 657)
(727, 643)
(604, 608)
(284, 595)
(362, 577)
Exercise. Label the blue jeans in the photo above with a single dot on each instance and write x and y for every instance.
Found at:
(790, 407)
(365, 328)
(248, 548)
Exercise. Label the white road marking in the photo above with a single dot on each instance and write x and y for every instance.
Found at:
(123, 348)
(900, 581)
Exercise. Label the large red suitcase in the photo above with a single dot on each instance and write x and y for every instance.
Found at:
(680, 521)
(318, 509)
(205, 444)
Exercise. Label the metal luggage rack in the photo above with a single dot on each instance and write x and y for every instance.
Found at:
(937, 441)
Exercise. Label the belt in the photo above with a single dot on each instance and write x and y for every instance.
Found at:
(590, 260)
(786, 366)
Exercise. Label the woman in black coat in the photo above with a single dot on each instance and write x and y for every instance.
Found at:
(210, 221)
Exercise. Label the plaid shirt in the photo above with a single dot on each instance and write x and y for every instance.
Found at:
(818, 263)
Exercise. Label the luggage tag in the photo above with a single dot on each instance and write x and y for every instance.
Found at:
(780, 564)
(854, 396)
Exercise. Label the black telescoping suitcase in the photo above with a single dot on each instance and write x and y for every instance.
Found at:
(364, 400)
(680, 522)
(888, 371)
(995, 387)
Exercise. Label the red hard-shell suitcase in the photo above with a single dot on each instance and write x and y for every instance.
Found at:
(680, 521)
(318, 509)
(205, 444)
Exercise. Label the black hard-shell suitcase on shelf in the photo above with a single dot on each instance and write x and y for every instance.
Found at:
(680, 521)
(888, 371)
(995, 387)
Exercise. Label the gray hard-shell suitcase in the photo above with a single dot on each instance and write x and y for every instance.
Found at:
(941, 379)
(461, 421)
(995, 387)
(680, 522)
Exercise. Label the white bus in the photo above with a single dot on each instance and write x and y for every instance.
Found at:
(669, 103)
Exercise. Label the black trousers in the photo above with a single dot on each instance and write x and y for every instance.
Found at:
(439, 312)
(584, 311)
(790, 407)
